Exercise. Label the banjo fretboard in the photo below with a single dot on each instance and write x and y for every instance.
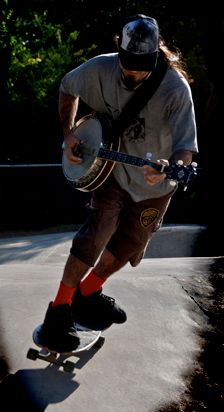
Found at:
(127, 159)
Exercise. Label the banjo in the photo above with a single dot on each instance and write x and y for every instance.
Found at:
(100, 155)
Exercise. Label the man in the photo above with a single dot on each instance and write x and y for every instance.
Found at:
(129, 206)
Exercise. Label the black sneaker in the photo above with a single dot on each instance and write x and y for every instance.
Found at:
(58, 331)
(96, 311)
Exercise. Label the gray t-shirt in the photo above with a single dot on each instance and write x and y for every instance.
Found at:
(166, 123)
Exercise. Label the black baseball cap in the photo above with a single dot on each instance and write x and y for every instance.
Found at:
(139, 44)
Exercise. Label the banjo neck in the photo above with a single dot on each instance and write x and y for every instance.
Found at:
(125, 158)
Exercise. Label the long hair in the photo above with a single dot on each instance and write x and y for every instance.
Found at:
(174, 59)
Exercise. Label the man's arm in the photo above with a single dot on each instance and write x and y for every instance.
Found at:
(153, 177)
(184, 155)
(68, 106)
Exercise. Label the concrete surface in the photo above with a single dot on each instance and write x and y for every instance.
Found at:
(157, 361)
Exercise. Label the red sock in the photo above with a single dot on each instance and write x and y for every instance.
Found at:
(64, 295)
(92, 283)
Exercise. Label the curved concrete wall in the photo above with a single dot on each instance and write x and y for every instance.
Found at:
(174, 241)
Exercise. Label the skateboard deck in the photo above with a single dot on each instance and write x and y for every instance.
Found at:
(88, 338)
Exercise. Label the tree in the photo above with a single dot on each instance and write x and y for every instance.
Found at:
(36, 53)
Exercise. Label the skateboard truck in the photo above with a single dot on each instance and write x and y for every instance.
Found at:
(88, 339)
(50, 357)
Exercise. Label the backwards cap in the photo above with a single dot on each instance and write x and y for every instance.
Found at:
(139, 44)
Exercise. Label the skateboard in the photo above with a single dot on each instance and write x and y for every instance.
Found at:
(88, 339)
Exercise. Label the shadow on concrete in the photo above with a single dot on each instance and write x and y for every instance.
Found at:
(205, 384)
(29, 247)
(4, 358)
(32, 390)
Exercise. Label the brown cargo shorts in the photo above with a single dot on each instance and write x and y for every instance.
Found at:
(119, 224)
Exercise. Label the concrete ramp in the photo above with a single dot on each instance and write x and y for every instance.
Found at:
(148, 364)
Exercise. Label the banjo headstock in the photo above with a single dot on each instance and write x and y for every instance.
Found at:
(181, 173)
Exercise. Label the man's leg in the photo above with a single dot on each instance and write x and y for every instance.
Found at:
(74, 271)
(90, 306)
(58, 331)
(87, 246)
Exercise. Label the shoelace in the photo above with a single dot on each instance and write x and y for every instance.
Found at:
(108, 298)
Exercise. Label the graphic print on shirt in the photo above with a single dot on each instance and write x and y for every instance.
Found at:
(135, 132)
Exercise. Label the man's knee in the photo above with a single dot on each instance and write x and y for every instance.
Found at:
(107, 264)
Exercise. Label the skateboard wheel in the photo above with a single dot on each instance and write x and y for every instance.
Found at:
(32, 354)
(68, 366)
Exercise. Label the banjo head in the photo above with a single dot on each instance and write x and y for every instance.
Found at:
(91, 129)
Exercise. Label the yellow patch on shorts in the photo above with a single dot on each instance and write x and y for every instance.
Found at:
(148, 216)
